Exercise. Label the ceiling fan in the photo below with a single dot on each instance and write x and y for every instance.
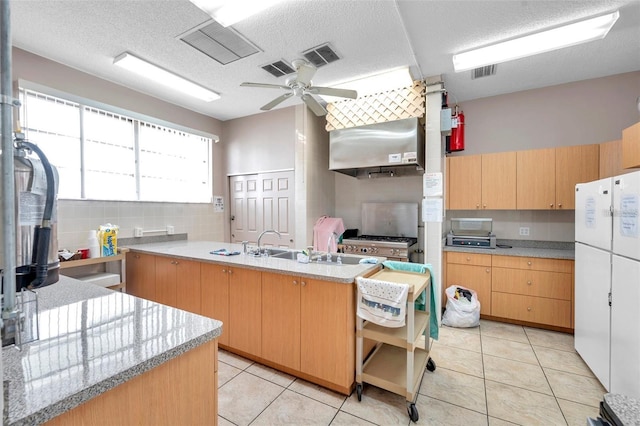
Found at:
(301, 86)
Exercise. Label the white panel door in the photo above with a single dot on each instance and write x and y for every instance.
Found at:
(592, 311)
(260, 202)
(626, 203)
(593, 221)
(625, 327)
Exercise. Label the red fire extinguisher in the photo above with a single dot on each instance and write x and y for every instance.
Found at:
(457, 131)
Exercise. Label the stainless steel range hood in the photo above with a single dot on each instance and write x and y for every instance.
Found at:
(394, 148)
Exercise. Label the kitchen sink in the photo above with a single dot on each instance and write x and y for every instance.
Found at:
(284, 254)
(293, 255)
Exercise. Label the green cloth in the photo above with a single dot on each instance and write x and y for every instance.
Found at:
(420, 268)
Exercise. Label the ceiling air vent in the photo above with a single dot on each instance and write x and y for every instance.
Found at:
(321, 55)
(483, 71)
(222, 44)
(278, 69)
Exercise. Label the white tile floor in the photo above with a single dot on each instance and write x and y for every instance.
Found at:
(495, 374)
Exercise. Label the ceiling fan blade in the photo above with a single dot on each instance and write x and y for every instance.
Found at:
(305, 73)
(330, 91)
(314, 105)
(268, 86)
(276, 101)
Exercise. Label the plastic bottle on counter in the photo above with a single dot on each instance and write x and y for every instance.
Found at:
(92, 242)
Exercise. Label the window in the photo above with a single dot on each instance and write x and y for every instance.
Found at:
(103, 155)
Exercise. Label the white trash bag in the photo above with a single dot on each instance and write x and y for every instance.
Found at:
(463, 307)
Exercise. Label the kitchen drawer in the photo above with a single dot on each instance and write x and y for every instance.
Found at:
(533, 263)
(469, 258)
(554, 285)
(531, 309)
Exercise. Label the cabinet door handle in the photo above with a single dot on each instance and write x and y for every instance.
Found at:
(224, 271)
(295, 282)
(529, 309)
(477, 206)
(137, 256)
(484, 206)
(487, 270)
(529, 263)
(468, 259)
(529, 282)
(230, 271)
(559, 205)
(551, 205)
(302, 283)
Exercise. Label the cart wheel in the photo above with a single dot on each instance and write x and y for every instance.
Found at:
(359, 391)
(431, 365)
(413, 412)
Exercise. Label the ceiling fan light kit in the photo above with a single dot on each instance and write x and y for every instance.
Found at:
(302, 87)
(533, 44)
(154, 73)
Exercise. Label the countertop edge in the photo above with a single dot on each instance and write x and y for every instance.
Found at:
(73, 401)
(543, 253)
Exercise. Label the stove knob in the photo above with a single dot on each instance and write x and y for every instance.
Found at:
(364, 249)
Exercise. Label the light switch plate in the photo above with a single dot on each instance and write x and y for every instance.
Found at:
(170, 230)
(137, 232)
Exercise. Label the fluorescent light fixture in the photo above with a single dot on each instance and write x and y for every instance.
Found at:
(164, 77)
(546, 41)
(228, 12)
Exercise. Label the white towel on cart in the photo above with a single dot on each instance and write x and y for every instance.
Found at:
(382, 302)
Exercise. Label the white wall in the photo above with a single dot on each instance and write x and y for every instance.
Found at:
(583, 112)
(76, 218)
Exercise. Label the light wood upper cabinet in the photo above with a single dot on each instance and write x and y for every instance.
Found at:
(214, 292)
(464, 182)
(536, 179)
(574, 164)
(611, 160)
(141, 275)
(486, 181)
(245, 310)
(631, 146)
(281, 318)
(499, 181)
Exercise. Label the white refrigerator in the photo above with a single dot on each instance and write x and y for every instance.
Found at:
(607, 281)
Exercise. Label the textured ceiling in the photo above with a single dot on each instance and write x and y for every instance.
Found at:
(372, 36)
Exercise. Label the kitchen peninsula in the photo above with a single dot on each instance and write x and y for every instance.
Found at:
(105, 357)
(296, 317)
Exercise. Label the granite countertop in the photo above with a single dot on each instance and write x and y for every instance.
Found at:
(92, 339)
(523, 248)
(200, 251)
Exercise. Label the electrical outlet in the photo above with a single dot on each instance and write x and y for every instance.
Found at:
(524, 230)
(170, 230)
(137, 232)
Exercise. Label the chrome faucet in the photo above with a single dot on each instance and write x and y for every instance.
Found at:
(268, 231)
(333, 237)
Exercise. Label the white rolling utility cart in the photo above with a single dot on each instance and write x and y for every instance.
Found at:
(401, 354)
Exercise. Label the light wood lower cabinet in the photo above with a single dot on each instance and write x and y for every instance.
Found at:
(327, 332)
(178, 283)
(472, 271)
(281, 319)
(245, 310)
(533, 289)
(539, 310)
(308, 325)
(304, 326)
(141, 275)
(214, 296)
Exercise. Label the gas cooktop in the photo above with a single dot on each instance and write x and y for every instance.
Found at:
(383, 238)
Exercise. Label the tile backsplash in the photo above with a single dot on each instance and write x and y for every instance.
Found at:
(77, 217)
(544, 225)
